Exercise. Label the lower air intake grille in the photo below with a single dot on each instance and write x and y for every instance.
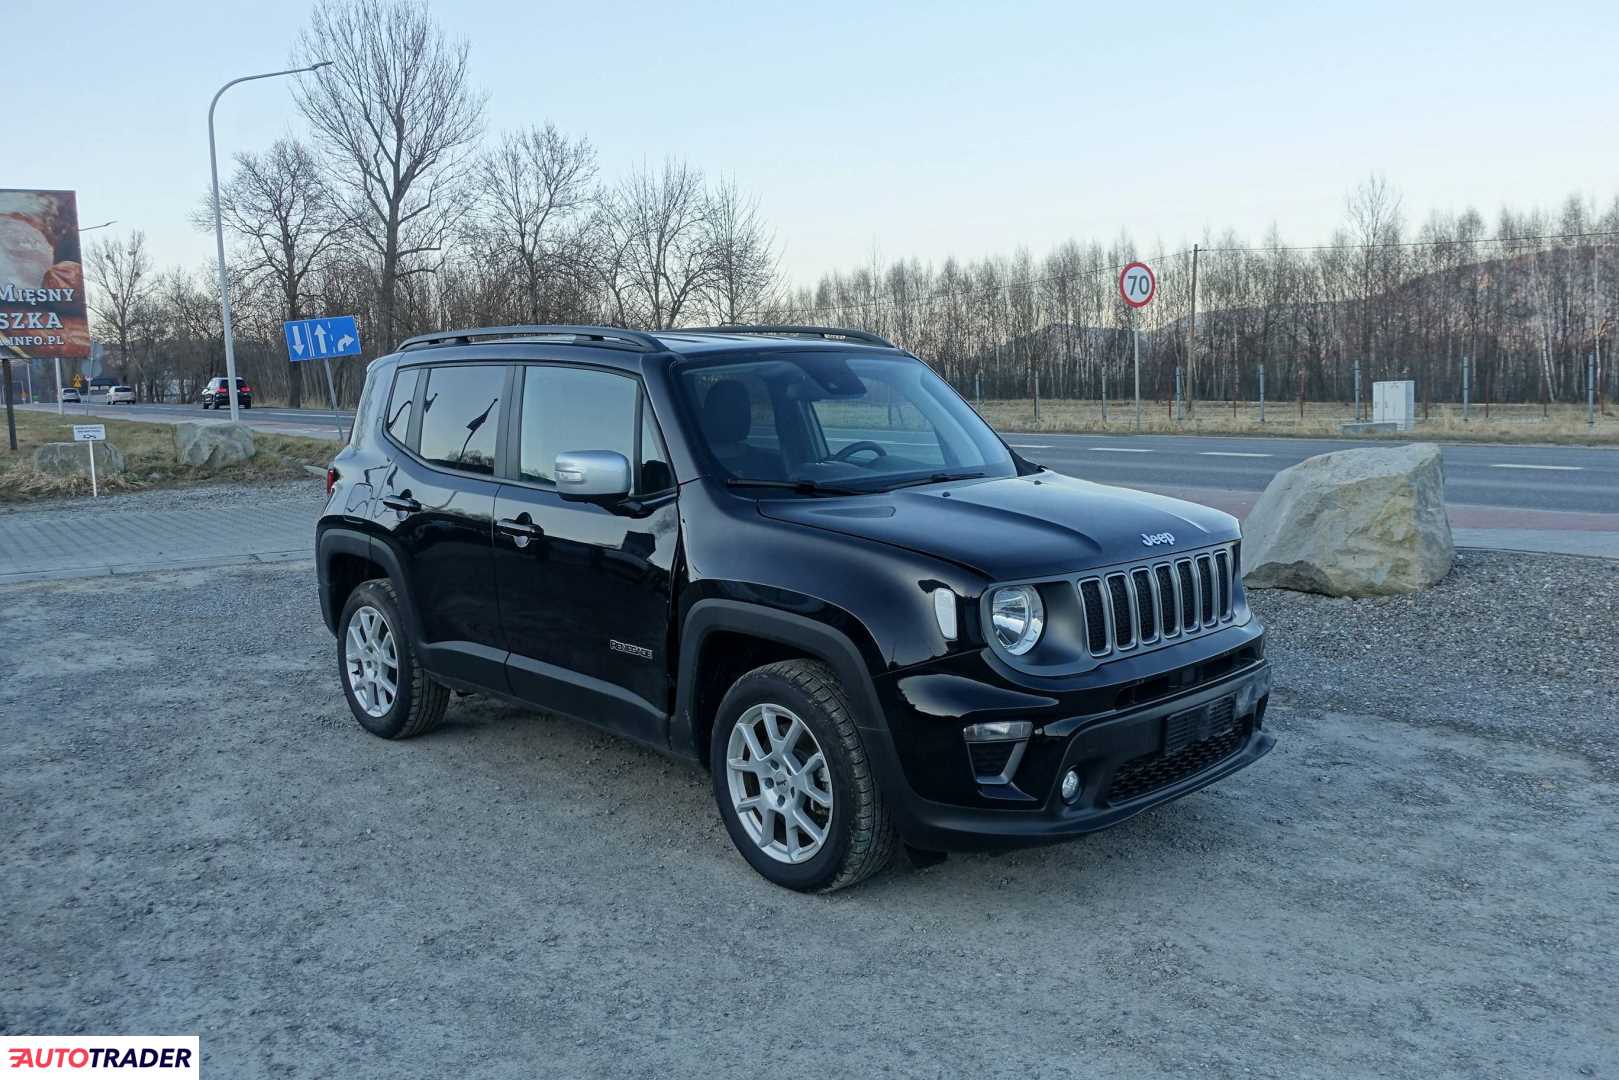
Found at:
(1151, 772)
(990, 758)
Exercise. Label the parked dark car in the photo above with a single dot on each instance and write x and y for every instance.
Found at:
(796, 556)
(216, 394)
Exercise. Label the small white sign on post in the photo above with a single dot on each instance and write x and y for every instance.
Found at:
(90, 434)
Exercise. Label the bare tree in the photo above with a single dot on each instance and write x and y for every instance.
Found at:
(744, 255)
(122, 271)
(395, 111)
(532, 188)
(656, 250)
(289, 219)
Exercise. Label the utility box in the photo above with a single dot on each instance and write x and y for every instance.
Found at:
(1395, 403)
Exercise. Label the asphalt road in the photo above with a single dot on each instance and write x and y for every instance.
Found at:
(321, 423)
(1566, 478)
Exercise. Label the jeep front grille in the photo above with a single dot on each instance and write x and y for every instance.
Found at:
(1158, 601)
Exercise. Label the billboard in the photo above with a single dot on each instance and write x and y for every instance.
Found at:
(42, 275)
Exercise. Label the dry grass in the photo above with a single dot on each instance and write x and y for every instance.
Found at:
(1506, 423)
(149, 456)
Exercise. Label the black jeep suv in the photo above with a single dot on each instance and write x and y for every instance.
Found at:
(794, 555)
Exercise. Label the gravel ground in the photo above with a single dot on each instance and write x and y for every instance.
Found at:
(1420, 881)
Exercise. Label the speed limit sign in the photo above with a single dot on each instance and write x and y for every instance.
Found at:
(1137, 284)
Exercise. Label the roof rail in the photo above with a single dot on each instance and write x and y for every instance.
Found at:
(864, 336)
(611, 336)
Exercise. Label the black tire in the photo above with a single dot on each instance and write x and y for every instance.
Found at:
(247, 404)
(860, 835)
(419, 702)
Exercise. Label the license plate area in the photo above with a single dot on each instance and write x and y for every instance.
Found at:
(1190, 726)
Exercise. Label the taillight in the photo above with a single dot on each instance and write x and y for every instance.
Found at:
(331, 479)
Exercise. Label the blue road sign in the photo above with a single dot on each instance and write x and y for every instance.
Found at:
(322, 339)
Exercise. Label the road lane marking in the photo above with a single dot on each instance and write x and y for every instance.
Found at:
(1119, 449)
(1030, 445)
(1229, 453)
(1548, 468)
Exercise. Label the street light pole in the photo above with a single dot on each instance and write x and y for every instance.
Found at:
(219, 227)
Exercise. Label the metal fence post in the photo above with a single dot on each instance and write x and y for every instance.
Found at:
(1357, 390)
(1467, 387)
(1179, 406)
(978, 390)
(1261, 393)
(1591, 390)
(1104, 397)
(1037, 396)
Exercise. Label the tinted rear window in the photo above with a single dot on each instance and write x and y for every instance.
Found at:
(402, 406)
(461, 416)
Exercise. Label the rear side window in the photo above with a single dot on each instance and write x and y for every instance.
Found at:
(568, 409)
(401, 406)
(461, 416)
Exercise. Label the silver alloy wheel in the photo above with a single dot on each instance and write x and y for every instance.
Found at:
(372, 661)
(780, 784)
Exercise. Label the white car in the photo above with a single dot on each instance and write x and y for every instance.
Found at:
(71, 394)
(120, 395)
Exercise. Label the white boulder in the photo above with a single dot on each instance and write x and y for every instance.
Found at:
(212, 445)
(1353, 523)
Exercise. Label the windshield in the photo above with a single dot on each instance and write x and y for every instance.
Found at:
(837, 419)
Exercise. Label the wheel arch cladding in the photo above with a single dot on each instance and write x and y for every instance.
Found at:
(721, 640)
(348, 557)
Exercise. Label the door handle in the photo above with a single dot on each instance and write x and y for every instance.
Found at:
(521, 529)
(403, 503)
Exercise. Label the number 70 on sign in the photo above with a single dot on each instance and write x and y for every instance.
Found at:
(1137, 284)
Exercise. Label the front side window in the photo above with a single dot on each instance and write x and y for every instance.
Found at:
(461, 416)
(836, 418)
(571, 409)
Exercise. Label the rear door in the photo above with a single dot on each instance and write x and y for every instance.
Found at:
(585, 590)
(436, 501)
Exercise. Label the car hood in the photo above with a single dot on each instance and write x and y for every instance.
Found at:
(1017, 527)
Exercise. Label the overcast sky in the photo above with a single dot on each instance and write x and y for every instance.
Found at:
(917, 129)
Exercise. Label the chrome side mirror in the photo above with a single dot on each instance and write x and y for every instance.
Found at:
(599, 475)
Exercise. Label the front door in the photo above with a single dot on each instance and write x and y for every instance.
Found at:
(585, 589)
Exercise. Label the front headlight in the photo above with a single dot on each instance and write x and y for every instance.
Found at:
(1018, 617)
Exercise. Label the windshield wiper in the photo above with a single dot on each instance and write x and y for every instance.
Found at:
(936, 478)
(803, 487)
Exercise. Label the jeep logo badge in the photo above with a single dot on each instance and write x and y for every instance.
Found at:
(1154, 539)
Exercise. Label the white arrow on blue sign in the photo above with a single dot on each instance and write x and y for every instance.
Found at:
(322, 339)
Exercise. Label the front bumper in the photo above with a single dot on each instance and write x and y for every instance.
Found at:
(1128, 760)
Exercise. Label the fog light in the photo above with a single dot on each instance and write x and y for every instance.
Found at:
(1070, 786)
